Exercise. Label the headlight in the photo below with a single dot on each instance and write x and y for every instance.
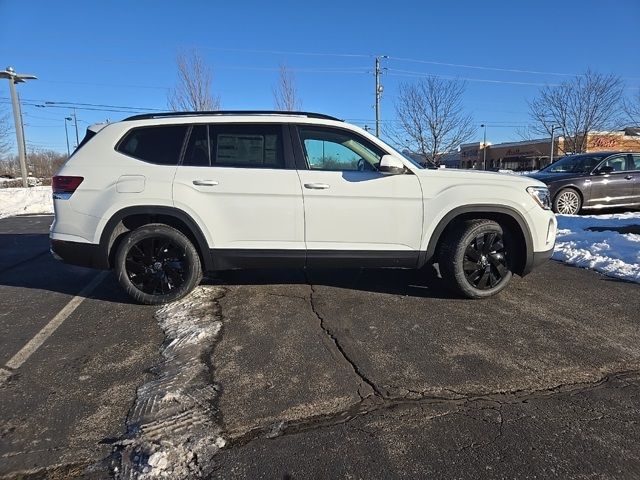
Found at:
(541, 196)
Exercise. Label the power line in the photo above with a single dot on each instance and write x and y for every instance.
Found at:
(410, 73)
(481, 67)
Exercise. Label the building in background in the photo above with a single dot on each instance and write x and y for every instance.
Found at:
(535, 154)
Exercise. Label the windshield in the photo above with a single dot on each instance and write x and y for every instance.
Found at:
(574, 164)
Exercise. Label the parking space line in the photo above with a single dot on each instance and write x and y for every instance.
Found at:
(36, 342)
(4, 374)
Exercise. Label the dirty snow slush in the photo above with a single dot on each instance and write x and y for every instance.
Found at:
(172, 428)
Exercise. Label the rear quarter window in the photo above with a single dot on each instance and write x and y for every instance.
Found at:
(160, 144)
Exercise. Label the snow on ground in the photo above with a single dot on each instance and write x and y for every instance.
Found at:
(18, 201)
(609, 252)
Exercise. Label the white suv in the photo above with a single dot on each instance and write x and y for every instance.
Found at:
(161, 198)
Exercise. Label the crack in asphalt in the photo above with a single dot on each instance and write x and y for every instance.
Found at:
(354, 366)
(375, 403)
(379, 399)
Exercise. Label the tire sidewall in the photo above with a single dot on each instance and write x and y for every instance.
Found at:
(194, 272)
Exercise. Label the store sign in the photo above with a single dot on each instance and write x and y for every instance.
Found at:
(516, 152)
(603, 142)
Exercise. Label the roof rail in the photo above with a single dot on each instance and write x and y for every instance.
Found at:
(147, 116)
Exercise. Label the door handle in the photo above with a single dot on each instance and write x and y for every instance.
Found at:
(205, 183)
(628, 177)
(316, 186)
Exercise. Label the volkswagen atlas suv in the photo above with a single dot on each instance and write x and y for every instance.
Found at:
(162, 198)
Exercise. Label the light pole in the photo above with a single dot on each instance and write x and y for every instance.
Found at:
(66, 134)
(484, 147)
(13, 77)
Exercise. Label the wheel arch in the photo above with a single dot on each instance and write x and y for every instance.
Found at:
(504, 215)
(130, 218)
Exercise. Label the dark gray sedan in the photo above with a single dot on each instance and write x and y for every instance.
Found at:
(592, 181)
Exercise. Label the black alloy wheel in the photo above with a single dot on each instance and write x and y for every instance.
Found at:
(476, 258)
(157, 264)
(485, 261)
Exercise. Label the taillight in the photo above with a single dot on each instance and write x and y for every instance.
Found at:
(63, 186)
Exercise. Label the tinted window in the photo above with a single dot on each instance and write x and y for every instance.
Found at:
(329, 149)
(248, 146)
(197, 153)
(574, 164)
(159, 144)
(617, 163)
(636, 161)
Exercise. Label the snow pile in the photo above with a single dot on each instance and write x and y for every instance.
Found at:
(172, 427)
(609, 252)
(18, 201)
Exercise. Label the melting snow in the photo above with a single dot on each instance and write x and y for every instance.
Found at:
(19, 201)
(172, 427)
(610, 252)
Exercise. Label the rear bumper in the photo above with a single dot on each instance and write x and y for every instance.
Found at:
(76, 253)
(536, 259)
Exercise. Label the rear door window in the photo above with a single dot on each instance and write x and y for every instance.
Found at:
(246, 146)
(197, 153)
(160, 144)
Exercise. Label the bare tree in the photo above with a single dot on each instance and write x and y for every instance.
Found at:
(5, 130)
(285, 93)
(587, 102)
(431, 116)
(193, 90)
(631, 108)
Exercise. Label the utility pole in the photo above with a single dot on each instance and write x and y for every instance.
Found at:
(66, 134)
(379, 89)
(13, 77)
(75, 119)
(484, 147)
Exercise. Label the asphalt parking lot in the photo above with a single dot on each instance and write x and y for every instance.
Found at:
(323, 374)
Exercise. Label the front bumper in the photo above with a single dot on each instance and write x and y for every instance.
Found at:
(536, 259)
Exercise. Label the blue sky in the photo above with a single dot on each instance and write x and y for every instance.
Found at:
(123, 53)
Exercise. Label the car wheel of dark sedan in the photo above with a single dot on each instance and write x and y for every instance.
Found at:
(567, 202)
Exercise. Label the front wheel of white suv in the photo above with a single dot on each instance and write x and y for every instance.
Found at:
(475, 258)
(157, 264)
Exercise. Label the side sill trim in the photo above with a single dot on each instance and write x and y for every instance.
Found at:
(231, 259)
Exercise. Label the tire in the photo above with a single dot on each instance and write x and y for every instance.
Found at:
(157, 264)
(476, 258)
(567, 202)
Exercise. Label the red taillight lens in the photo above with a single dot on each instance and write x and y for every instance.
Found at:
(65, 185)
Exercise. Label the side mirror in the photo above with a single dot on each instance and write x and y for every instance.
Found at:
(604, 170)
(391, 165)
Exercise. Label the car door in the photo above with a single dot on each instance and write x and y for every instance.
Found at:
(355, 214)
(240, 182)
(616, 187)
(635, 171)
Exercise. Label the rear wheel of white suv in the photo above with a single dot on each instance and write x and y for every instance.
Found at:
(475, 258)
(157, 264)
